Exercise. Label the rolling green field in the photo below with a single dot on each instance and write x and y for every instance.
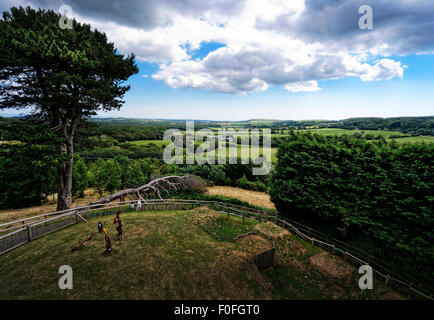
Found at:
(179, 255)
(404, 138)
(426, 139)
(162, 143)
(159, 143)
(336, 131)
(387, 134)
(239, 150)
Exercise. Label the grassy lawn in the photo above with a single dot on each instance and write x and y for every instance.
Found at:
(175, 255)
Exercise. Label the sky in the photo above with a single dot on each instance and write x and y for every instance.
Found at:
(272, 59)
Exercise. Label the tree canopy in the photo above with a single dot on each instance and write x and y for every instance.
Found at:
(379, 195)
(64, 75)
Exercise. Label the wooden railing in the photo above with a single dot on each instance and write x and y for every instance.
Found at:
(16, 233)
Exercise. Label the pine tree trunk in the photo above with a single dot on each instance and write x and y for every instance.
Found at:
(64, 194)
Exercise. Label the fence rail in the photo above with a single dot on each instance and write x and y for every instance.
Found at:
(16, 233)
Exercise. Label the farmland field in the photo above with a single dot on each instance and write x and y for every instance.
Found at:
(426, 139)
(403, 138)
(256, 198)
(387, 134)
(162, 143)
(159, 143)
(337, 131)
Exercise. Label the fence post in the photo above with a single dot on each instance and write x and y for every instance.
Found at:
(243, 216)
(387, 280)
(29, 231)
(409, 291)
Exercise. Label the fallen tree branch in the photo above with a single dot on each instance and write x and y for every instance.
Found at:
(187, 182)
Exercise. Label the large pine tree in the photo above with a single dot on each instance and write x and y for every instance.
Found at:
(65, 75)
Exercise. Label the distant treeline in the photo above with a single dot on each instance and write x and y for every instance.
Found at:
(123, 132)
(411, 125)
(101, 130)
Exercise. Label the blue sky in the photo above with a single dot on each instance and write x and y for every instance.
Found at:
(280, 59)
(413, 95)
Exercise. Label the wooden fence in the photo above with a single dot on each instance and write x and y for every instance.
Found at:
(16, 233)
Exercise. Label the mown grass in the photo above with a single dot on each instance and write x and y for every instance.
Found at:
(169, 255)
(157, 260)
(225, 230)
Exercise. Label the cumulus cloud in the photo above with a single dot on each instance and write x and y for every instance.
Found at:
(241, 70)
(400, 27)
(143, 14)
(288, 43)
(384, 69)
(307, 86)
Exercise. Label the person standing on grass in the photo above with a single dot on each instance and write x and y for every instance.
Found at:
(108, 244)
(118, 220)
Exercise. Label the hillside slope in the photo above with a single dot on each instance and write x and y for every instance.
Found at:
(179, 255)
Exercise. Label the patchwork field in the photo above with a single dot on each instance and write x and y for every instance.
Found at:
(256, 198)
(159, 143)
(384, 133)
(387, 134)
(179, 255)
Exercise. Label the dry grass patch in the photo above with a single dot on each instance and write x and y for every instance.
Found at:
(272, 230)
(254, 244)
(253, 197)
(203, 216)
(8, 215)
(333, 266)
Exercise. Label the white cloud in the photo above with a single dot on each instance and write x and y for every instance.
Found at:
(384, 69)
(244, 70)
(308, 86)
(288, 43)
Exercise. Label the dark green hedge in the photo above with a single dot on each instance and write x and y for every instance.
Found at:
(376, 195)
